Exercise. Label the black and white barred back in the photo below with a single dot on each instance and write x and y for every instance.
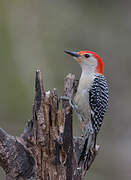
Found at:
(98, 99)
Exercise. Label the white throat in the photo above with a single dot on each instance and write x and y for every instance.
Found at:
(87, 75)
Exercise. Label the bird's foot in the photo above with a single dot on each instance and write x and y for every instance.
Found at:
(67, 99)
(75, 85)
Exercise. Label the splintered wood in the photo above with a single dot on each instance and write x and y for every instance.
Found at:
(46, 150)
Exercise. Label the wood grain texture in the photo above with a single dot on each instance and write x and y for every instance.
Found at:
(46, 150)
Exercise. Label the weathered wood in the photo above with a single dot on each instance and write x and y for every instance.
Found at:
(46, 150)
(15, 159)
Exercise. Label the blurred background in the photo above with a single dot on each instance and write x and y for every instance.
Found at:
(34, 34)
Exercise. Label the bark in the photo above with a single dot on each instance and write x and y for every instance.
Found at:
(46, 150)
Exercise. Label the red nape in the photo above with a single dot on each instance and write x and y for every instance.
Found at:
(99, 68)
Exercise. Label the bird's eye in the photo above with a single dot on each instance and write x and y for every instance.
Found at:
(87, 55)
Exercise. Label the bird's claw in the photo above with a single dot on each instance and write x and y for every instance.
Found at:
(67, 99)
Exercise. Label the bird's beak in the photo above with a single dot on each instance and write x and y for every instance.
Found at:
(72, 53)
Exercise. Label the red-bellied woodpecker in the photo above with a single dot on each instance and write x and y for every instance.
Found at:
(91, 99)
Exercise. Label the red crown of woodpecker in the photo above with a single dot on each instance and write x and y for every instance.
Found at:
(99, 68)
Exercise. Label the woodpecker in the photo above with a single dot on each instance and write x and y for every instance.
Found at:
(91, 98)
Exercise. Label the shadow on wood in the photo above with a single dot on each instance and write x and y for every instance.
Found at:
(46, 149)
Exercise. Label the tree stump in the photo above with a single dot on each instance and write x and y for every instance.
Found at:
(46, 150)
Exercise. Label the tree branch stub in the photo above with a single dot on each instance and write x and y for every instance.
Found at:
(46, 149)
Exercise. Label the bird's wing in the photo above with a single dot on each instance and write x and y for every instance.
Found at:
(98, 99)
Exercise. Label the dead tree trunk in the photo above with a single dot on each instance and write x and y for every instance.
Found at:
(46, 150)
